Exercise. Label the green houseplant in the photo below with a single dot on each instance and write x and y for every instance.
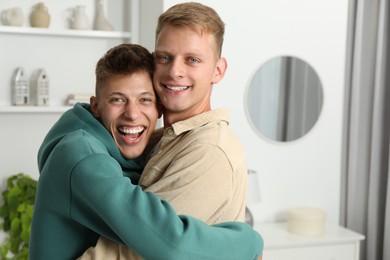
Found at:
(16, 214)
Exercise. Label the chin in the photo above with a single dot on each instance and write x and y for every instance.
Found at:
(130, 155)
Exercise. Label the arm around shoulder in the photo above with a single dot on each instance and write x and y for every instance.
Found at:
(124, 213)
(250, 240)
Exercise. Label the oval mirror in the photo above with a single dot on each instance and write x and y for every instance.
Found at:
(284, 99)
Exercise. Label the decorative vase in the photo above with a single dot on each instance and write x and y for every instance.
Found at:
(100, 22)
(40, 16)
(77, 18)
(12, 17)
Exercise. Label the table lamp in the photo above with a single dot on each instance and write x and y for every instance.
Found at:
(253, 195)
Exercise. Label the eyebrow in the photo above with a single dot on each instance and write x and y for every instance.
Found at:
(147, 93)
(194, 54)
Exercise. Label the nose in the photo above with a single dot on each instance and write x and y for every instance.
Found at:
(132, 111)
(177, 68)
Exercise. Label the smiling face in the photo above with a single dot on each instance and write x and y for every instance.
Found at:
(186, 67)
(127, 106)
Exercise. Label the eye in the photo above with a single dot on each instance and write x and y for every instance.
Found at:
(117, 100)
(193, 60)
(162, 58)
(146, 100)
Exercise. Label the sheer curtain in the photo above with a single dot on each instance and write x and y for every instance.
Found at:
(366, 182)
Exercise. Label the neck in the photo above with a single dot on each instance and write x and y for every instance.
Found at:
(172, 117)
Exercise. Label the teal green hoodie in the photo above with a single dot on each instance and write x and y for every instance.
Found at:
(85, 190)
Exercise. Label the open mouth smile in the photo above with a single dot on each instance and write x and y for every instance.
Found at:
(131, 132)
(176, 88)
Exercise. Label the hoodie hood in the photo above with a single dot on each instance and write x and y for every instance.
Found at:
(79, 118)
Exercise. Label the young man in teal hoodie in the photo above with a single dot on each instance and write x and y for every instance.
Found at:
(89, 165)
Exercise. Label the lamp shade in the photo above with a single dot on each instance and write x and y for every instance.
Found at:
(253, 189)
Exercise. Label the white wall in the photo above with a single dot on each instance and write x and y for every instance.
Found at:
(21, 136)
(301, 173)
(306, 172)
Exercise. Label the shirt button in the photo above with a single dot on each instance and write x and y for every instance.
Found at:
(170, 131)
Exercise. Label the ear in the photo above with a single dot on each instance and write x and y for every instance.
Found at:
(220, 70)
(94, 106)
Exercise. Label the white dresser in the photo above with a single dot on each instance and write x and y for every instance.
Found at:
(337, 243)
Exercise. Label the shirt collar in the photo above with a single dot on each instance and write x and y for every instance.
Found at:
(201, 119)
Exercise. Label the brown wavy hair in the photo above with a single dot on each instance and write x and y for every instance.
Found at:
(124, 59)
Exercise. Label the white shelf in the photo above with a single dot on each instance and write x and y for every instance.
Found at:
(71, 70)
(65, 32)
(33, 109)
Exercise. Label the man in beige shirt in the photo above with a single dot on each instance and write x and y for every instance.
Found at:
(200, 169)
(198, 166)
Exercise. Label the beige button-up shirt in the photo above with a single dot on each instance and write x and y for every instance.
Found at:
(200, 169)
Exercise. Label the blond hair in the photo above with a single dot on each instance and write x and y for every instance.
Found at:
(194, 16)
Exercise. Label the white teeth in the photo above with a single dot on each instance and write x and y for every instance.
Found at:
(135, 130)
(173, 88)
